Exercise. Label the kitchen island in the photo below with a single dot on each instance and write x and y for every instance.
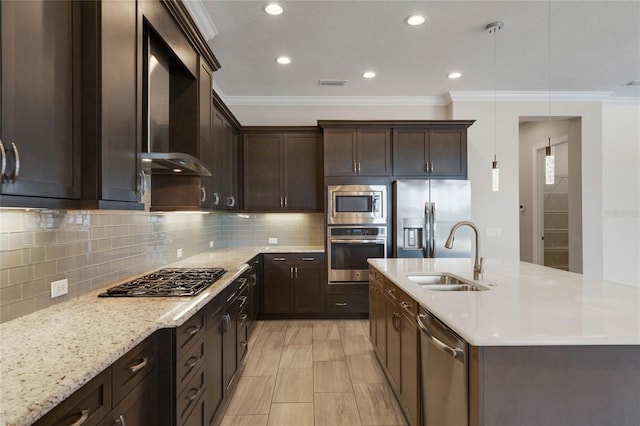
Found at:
(544, 346)
(48, 355)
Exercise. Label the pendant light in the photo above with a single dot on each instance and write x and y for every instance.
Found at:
(493, 28)
(549, 159)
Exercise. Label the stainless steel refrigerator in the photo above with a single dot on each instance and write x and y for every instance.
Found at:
(424, 211)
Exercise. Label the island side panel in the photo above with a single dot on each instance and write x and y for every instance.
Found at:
(553, 385)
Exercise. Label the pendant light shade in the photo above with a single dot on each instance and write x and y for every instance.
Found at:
(549, 166)
(495, 176)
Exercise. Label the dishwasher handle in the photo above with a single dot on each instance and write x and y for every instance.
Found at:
(454, 352)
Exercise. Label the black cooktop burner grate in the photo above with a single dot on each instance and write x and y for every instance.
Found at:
(167, 283)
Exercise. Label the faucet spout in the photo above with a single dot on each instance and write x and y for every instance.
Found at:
(478, 261)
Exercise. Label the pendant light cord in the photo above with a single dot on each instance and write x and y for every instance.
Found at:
(549, 76)
(495, 95)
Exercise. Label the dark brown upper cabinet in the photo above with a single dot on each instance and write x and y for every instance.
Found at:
(282, 169)
(435, 152)
(111, 126)
(362, 151)
(40, 115)
(225, 140)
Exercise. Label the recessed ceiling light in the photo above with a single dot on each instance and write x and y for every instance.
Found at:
(454, 75)
(414, 20)
(273, 9)
(369, 74)
(283, 60)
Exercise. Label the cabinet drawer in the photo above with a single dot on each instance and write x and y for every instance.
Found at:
(129, 370)
(391, 291)
(375, 276)
(91, 403)
(190, 331)
(198, 415)
(346, 303)
(280, 259)
(243, 340)
(408, 306)
(191, 394)
(139, 407)
(190, 362)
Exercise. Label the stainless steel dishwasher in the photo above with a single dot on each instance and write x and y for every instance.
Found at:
(443, 360)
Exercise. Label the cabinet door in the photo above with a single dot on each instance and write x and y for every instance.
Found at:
(392, 320)
(262, 171)
(139, 407)
(339, 152)
(278, 290)
(381, 325)
(410, 152)
(302, 172)
(410, 372)
(230, 154)
(448, 153)
(230, 345)
(219, 168)
(373, 152)
(216, 326)
(309, 284)
(205, 129)
(40, 110)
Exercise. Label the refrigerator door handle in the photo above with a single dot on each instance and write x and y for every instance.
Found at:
(426, 231)
(433, 230)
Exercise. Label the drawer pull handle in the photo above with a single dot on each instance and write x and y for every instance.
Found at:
(341, 304)
(390, 290)
(139, 366)
(3, 166)
(308, 259)
(84, 415)
(243, 344)
(230, 298)
(16, 168)
(243, 283)
(243, 317)
(406, 305)
(120, 421)
(279, 259)
(192, 362)
(193, 395)
(193, 329)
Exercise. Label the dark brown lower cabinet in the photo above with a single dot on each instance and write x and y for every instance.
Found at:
(293, 283)
(124, 393)
(394, 336)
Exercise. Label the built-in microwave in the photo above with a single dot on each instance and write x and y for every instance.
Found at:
(356, 204)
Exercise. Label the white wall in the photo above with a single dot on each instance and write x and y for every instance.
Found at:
(500, 209)
(621, 195)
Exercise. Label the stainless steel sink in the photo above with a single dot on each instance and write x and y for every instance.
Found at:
(445, 282)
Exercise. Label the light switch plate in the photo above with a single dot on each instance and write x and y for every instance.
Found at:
(59, 288)
(492, 232)
(210, 244)
(179, 252)
(273, 240)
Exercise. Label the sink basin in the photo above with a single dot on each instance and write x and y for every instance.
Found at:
(445, 282)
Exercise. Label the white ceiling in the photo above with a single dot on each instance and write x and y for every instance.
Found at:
(595, 47)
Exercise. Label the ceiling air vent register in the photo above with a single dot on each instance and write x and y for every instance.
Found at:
(332, 82)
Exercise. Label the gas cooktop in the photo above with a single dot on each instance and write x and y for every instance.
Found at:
(167, 283)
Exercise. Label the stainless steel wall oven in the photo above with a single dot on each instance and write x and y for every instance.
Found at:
(349, 247)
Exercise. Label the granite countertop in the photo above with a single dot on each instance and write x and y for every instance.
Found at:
(48, 355)
(526, 305)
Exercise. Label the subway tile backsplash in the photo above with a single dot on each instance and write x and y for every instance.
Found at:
(94, 248)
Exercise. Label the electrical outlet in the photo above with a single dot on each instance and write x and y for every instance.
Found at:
(273, 240)
(59, 288)
(179, 252)
(492, 232)
(210, 244)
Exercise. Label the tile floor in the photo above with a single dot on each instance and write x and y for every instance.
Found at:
(319, 372)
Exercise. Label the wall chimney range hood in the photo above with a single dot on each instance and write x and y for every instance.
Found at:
(173, 163)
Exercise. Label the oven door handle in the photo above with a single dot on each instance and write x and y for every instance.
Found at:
(357, 241)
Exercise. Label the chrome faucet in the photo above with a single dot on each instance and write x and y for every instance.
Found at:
(478, 265)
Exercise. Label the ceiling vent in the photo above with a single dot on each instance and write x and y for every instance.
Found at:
(631, 83)
(332, 82)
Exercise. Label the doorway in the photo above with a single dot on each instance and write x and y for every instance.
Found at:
(551, 213)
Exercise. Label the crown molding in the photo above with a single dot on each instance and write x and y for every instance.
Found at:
(622, 101)
(528, 96)
(201, 17)
(336, 100)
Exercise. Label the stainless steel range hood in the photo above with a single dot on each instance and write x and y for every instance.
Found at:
(173, 163)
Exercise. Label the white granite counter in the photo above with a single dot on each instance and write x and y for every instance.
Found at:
(526, 305)
(48, 355)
